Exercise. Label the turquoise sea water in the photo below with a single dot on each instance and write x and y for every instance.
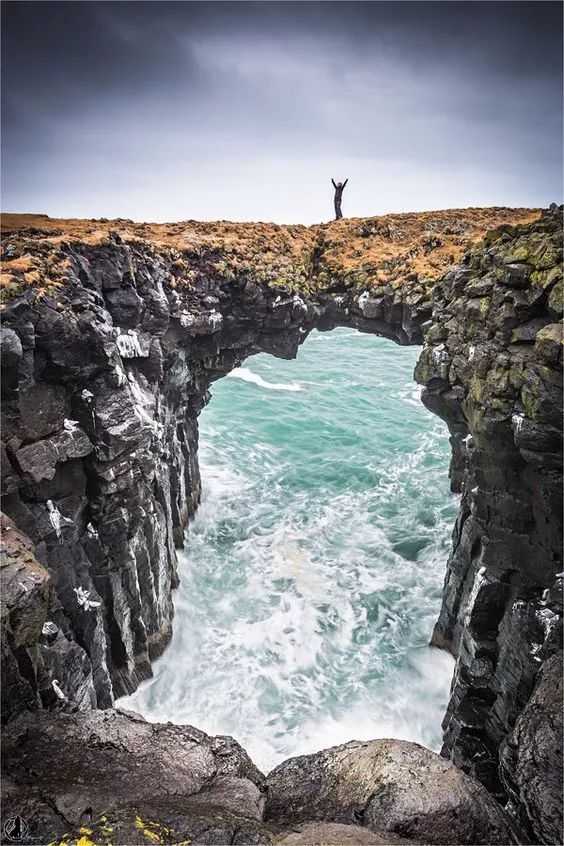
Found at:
(312, 573)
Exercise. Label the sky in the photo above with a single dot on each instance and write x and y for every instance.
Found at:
(245, 111)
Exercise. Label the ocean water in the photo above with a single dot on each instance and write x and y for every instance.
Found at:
(312, 572)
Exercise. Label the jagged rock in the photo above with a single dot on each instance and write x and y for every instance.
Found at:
(531, 758)
(25, 586)
(11, 351)
(125, 306)
(206, 323)
(40, 459)
(371, 307)
(507, 543)
(387, 786)
(527, 332)
(516, 274)
(42, 409)
(135, 390)
(548, 342)
(24, 598)
(31, 660)
(86, 766)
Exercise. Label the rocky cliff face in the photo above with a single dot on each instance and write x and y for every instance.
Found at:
(110, 343)
(491, 366)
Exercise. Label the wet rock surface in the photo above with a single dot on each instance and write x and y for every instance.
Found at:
(104, 376)
(81, 768)
(112, 778)
(387, 786)
(531, 758)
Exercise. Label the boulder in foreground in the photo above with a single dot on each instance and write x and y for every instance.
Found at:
(115, 774)
(387, 786)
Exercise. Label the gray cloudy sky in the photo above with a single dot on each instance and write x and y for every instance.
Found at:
(244, 111)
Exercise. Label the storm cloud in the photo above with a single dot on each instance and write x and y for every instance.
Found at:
(164, 111)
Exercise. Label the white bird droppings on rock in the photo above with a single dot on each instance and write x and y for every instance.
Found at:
(57, 688)
(128, 344)
(82, 597)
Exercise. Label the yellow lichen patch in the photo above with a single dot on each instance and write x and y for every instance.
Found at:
(143, 827)
(85, 841)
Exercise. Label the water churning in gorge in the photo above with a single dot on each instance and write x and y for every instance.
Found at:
(312, 574)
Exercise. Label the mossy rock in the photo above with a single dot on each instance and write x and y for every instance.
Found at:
(546, 256)
(541, 394)
(477, 389)
(485, 304)
(519, 253)
(556, 299)
(547, 278)
(498, 382)
(549, 341)
(516, 377)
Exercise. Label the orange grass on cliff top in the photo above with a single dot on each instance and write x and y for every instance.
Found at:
(389, 249)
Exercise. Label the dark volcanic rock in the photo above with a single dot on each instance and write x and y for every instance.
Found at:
(171, 821)
(102, 386)
(113, 764)
(387, 786)
(24, 598)
(491, 367)
(40, 459)
(531, 758)
(32, 659)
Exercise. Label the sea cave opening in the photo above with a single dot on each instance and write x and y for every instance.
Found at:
(312, 573)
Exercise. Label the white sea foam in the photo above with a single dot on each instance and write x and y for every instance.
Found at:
(408, 706)
(312, 575)
(248, 376)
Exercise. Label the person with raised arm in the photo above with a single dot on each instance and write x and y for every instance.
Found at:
(339, 188)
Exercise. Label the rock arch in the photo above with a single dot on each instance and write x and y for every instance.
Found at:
(105, 377)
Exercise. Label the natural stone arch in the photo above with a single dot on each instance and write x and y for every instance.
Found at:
(131, 362)
(147, 348)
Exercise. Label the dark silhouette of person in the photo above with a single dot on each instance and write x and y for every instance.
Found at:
(339, 188)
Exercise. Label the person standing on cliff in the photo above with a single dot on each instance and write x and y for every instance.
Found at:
(339, 188)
